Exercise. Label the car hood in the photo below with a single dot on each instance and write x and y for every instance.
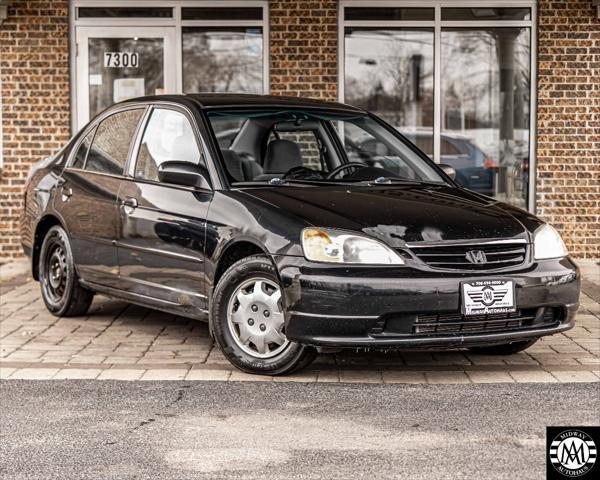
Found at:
(400, 214)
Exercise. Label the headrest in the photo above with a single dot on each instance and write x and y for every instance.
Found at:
(281, 156)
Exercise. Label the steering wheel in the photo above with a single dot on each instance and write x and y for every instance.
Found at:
(343, 167)
(303, 173)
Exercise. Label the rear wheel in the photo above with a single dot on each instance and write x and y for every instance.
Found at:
(62, 294)
(248, 321)
(503, 349)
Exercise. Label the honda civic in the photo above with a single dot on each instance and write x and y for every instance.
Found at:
(272, 219)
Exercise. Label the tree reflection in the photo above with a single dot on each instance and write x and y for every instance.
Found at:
(485, 97)
(222, 60)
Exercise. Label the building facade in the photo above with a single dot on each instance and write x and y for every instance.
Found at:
(507, 92)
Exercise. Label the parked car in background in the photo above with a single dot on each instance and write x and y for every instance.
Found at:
(474, 170)
(290, 235)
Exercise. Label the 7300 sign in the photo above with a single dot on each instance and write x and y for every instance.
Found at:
(121, 59)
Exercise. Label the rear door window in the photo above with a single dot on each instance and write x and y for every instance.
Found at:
(110, 147)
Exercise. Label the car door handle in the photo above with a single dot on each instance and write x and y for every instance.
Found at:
(130, 202)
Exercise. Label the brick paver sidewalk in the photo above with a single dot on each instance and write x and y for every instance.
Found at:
(125, 342)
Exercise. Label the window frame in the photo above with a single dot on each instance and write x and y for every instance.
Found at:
(437, 24)
(200, 143)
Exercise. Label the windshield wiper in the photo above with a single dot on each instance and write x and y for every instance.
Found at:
(392, 180)
(285, 181)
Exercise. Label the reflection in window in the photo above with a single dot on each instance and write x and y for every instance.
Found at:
(222, 59)
(168, 137)
(485, 109)
(390, 72)
(110, 148)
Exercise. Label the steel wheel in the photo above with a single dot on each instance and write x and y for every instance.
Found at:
(255, 318)
(55, 280)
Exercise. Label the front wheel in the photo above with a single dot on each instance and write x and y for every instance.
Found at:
(248, 321)
(61, 291)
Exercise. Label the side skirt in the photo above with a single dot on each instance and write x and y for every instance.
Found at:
(148, 302)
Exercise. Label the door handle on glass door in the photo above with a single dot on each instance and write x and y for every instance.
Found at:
(66, 193)
(129, 203)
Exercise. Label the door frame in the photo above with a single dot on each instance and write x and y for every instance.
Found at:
(176, 22)
(81, 80)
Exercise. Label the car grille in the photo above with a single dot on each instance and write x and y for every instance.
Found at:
(459, 323)
(456, 257)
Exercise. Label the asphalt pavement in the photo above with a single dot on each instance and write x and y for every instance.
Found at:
(246, 430)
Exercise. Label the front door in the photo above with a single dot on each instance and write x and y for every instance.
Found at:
(163, 226)
(116, 63)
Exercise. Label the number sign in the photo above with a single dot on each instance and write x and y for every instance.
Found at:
(121, 59)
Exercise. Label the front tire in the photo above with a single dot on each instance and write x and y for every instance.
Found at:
(503, 349)
(62, 294)
(247, 320)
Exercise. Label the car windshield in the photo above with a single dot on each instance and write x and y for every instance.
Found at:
(312, 147)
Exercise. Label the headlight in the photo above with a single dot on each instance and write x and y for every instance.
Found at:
(332, 246)
(548, 244)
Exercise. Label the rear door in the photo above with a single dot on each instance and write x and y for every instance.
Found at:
(87, 200)
(161, 242)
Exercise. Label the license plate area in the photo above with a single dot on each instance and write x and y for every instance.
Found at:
(482, 297)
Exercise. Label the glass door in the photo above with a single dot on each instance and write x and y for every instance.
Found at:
(116, 63)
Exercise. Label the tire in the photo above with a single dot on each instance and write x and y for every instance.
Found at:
(250, 288)
(61, 291)
(503, 349)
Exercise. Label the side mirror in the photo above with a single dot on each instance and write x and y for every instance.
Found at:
(448, 170)
(183, 173)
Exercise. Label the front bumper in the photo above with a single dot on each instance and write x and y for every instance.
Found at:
(378, 307)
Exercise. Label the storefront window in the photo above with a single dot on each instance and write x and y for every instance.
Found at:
(457, 83)
(390, 72)
(485, 109)
(218, 59)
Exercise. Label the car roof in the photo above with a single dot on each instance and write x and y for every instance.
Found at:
(233, 100)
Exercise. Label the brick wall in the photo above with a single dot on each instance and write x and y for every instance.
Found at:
(34, 65)
(568, 152)
(303, 48)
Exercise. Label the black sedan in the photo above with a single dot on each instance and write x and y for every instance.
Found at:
(285, 238)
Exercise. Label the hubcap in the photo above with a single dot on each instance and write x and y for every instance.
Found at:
(255, 318)
(56, 272)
